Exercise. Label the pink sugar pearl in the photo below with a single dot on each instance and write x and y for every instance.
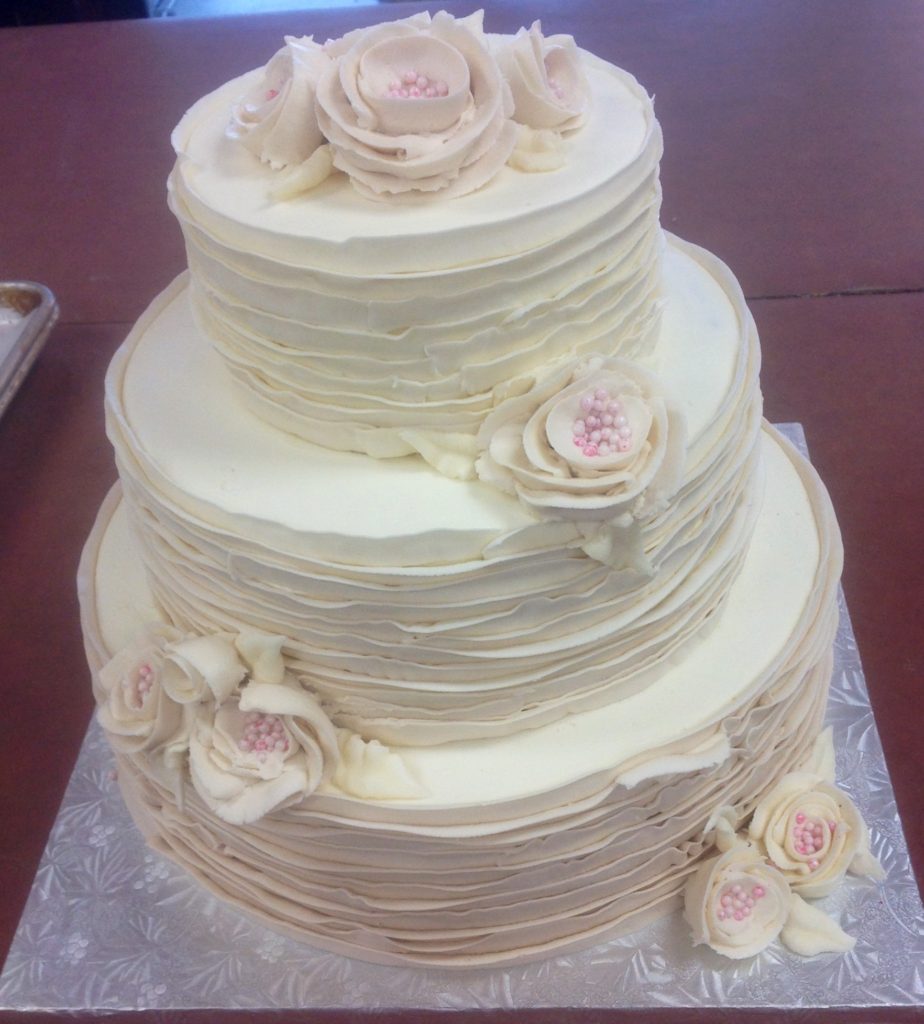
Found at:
(603, 421)
(263, 734)
(416, 85)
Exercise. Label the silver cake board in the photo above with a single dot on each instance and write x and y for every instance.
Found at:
(110, 925)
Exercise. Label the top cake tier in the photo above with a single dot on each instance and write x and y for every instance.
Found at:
(380, 324)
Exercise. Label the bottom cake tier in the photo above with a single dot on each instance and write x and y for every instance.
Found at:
(551, 839)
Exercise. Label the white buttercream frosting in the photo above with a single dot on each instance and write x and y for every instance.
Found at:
(370, 771)
(487, 627)
(528, 841)
(736, 903)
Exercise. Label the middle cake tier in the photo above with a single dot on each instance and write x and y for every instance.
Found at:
(420, 608)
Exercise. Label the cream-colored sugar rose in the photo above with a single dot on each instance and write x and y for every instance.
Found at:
(736, 903)
(276, 120)
(136, 711)
(268, 748)
(546, 79)
(813, 833)
(417, 106)
(596, 441)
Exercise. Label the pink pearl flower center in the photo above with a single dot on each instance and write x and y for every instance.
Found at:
(810, 836)
(263, 735)
(601, 428)
(138, 687)
(416, 85)
(735, 902)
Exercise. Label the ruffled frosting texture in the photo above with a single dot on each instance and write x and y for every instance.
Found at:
(482, 629)
(398, 333)
(497, 881)
(450, 142)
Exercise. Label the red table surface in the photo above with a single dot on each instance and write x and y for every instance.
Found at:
(794, 150)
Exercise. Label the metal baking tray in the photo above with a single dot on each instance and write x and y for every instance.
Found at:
(28, 311)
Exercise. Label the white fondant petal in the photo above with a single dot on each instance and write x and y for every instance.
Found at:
(809, 931)
(453, 455)
(202, 662)
(371, 771)
(262, 653)
(820, 761)
(305, 176)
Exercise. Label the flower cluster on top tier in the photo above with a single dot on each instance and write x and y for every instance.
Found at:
(804, 836)
(413, 107)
